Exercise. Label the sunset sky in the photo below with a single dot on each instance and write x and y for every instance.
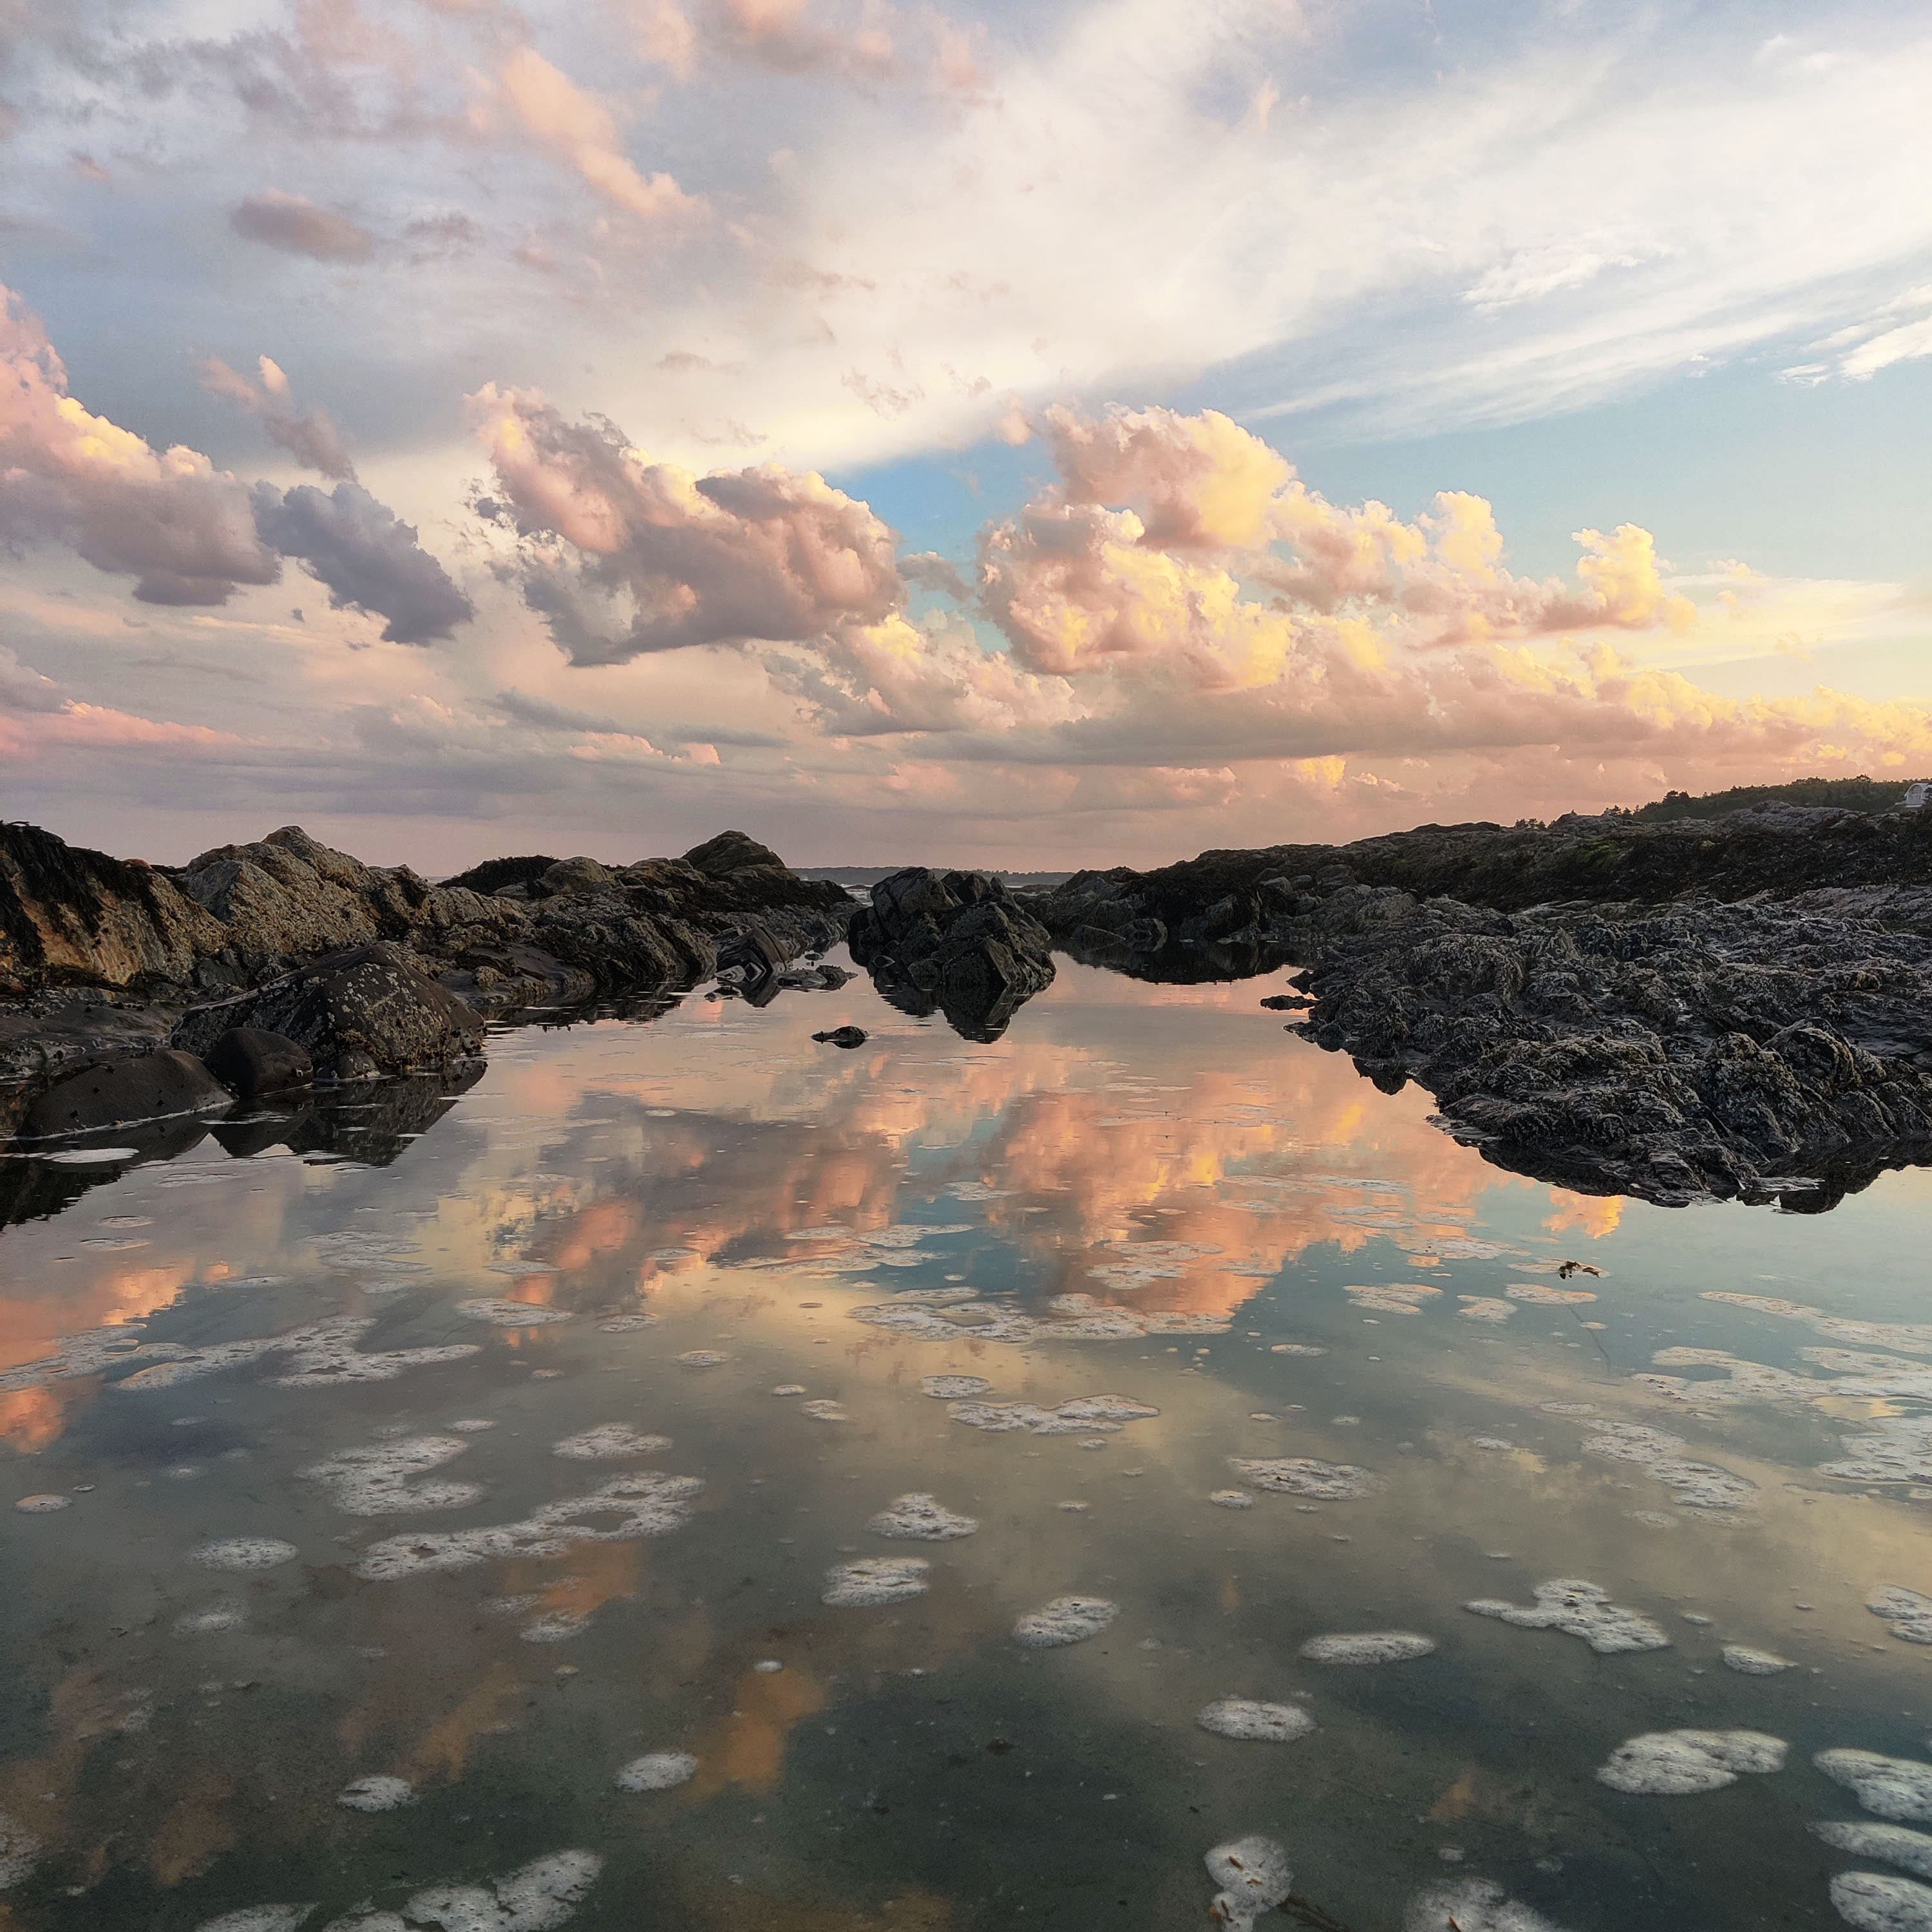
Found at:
(1030, 434)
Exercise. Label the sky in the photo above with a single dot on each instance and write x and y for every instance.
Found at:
(1078, 432)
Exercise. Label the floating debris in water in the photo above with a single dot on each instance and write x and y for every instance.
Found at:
(609, 1442)
(1877, 1902)
(377, 1793)
(1254, 1877)
(922, 1518)
(42, 1505)
(1230, 1499)
(1579, 1610)
(1891, 1844)
(646, 1503)
(1472, 1905)
(658, 1770)
(868, 1581)
(1906, 1613)
(379, 1480)
(1084, 1415)
(245, 1553)
(1749, 1663)
(1897, 1788)
(1303, 1476)
(1675, 1764)
(1066, 1620)
(502, 1314)
(1248, 1719)
(954, 1388)
(1368, 1647)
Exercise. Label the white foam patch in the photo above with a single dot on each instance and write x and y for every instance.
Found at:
(954, 1388)
(1749, 1663)
(502, 1314)
(1675, 1764)
(1698, 1486)
(1066, 1620)
(383, 1479)
(1303, 1476)
(789, 1389)
(320, 1355)
(1484, 1308)
(867, 1581)
(555, 1627)
(245, 1553)
(258, 1919)
(703, 1358)
(824, 1410)
(942, 1314)
(658, 1770)
(1897, 1788)
(20, 1850)
(536, 1897)
(1391, 1298)
(1234, 1499)
(1084, 1415)
(210, 1619)
(1890, 1844)
(1579, 1610)
(1906, 1614)
(1878, 1902)
(1537, 1294)
(1254, 1878)
(88, 1157)
(922, 1518)
(1472, 1905)
(609, 1442)
(646, 1503)
(1368, 1647)
(42, 1505)
(625, 1325)
(1898, 1451)
(377, 1793)
(1253, 1721)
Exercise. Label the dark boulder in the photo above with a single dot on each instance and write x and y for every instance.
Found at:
(155, 1086)
(845, 1036)
(957, 942)
(251, 1060)
(731, 852)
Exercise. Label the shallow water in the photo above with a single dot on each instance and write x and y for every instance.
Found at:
(272, 1594)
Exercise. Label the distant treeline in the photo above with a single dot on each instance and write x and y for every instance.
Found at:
(1858, 794)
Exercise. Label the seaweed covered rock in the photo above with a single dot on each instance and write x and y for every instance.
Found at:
(957, 943)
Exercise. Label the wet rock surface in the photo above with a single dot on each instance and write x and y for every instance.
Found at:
(954, 943)
(362, 971)
(1741, 1007)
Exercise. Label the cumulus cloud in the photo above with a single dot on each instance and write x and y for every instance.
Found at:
(552, 111)
(873, 43)
(296, 225)
(366, 557)
(309, 435)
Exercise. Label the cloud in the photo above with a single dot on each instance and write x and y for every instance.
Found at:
(572, 123)
(623, 556)
(296, 225)
(309, 435)
(367, 558)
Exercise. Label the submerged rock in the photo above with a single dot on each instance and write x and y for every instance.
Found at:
(155, 1086)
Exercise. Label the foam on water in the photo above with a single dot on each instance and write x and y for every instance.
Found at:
(824, 1410)
(1254, 1877)
(1472, 1905)
(1368, 1647)
(502, 1314)
(1897, 1788)
(1066, 1620)
(1251, 1720)
(244, 1553)
(1878, 1902)
(609, 1442)
(213, 1618)
(1698, 1486)
(1906, 1614)
(921, 1518)
(1233, 1499)
(20, 1851)
(658, 1770)
(381, 1480)
(1749, 1663)
(259, 1918)
(954, 1388)
(1303, 1476)
(1890, 1844)
(1084, 1415)
(42, 1505)
(377, 1793)
(1579, 1610)
(867, 1581)
(1674, 1764)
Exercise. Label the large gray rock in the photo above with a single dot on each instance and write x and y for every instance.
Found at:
(957, 943)
(155, 1086)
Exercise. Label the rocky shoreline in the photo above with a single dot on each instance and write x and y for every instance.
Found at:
(1697, 1009)
(131, 991)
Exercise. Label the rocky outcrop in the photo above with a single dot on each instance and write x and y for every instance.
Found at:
(156, 1087)
(251, 1061)
(956, 942)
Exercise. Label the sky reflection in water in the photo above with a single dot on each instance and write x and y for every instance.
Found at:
(1168, 1153)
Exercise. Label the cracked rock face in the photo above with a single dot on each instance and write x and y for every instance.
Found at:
(954, 942)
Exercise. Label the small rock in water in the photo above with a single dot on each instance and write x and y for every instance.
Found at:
(1066, 1620)
(1750, 1662)
(1254, 1877)
(376, 1794)
(1675, 1764)
(845, 1036)
(658, 1770)
(1898, 1788)
(1878, 1902)
(1247, 1718)
(868, 1581)
(1368, 1647)
(921, 1518)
